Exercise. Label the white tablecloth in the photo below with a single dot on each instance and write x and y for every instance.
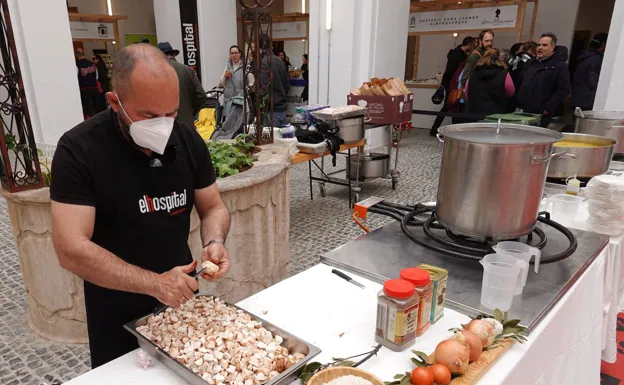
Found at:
(613, 285)
(339, 318)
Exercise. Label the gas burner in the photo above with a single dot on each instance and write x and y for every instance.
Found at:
(443, 240)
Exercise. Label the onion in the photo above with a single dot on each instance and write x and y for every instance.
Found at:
(474, 343)
(454, 355)
(483, 330)
(498, 327)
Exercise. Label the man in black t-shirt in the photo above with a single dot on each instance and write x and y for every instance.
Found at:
(125, 183)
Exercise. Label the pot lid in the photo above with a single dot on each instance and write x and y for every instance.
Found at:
(602, 115)
(493, 133)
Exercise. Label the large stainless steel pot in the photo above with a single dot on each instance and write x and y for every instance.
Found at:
(492, 178)
(587, 162)
(371, 165)
(609, 124)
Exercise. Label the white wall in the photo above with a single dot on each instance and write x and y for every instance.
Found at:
(217, 32)
(48, 66)
(610, 93)
(140, 18)
(167, 17)
(365, 41)
(217, 27)
(296, 48)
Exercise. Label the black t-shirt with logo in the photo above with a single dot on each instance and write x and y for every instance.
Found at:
(142, 212)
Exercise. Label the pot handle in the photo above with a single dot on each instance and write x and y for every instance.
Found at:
(536, 159)
(579, 113)
(440, 137)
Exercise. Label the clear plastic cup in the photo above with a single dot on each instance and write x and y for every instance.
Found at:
(563, 208)
(500, 274)
(522, 253)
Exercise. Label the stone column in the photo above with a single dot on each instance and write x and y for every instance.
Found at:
(259, 200)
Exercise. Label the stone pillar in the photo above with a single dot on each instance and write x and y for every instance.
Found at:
(44, 48)
(259, 200)
(217, 32)
(375, 33)
(610, 91)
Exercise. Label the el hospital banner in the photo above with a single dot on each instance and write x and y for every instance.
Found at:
(190, 35)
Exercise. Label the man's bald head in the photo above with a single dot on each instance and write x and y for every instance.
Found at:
(144, 83)
(79, 53)
(145, 58)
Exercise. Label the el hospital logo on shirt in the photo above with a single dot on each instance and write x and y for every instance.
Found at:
(174, 204)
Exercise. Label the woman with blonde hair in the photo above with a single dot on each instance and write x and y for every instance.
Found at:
(489, 86)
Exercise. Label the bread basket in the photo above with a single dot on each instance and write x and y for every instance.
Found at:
(325, 376)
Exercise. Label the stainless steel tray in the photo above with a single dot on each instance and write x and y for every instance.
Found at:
(294, 345)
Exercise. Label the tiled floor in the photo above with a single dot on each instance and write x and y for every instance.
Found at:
(316, 226)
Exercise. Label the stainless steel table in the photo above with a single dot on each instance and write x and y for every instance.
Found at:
(381, 254)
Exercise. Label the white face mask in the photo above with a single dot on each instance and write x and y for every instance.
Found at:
(151, 133)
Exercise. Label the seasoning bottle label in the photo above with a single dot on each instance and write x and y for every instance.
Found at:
(398, 326)
(424, 311)
(439, 299)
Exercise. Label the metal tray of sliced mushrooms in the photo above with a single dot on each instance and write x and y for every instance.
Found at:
(290, 342)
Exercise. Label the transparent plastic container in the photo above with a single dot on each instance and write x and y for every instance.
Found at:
(563, 208)
(500, 274)
(397, 313)
(523, 254)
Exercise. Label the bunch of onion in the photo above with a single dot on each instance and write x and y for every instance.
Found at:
(485, 330)
(454, 354)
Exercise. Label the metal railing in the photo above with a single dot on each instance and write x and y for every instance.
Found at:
(257, 25)
(19, 161)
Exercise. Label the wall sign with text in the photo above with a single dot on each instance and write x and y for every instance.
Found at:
(464, 19)
(91, 30)
(289, 30)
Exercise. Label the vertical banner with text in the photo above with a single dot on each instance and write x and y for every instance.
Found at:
(190, 35)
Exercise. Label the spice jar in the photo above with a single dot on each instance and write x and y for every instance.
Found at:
(424, 290)
(397, 313)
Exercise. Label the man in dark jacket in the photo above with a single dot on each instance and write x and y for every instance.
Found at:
(588, 72)
(87, 81)
(192, 94)
(455, 57)
(545, 82)
(279, 78)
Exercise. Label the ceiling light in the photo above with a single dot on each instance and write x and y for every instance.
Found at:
(455, 34)
(110, 7)
(328, 15)
(303, 6)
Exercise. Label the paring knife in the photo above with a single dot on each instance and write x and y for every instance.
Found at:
(348, 279)
(160, 308)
